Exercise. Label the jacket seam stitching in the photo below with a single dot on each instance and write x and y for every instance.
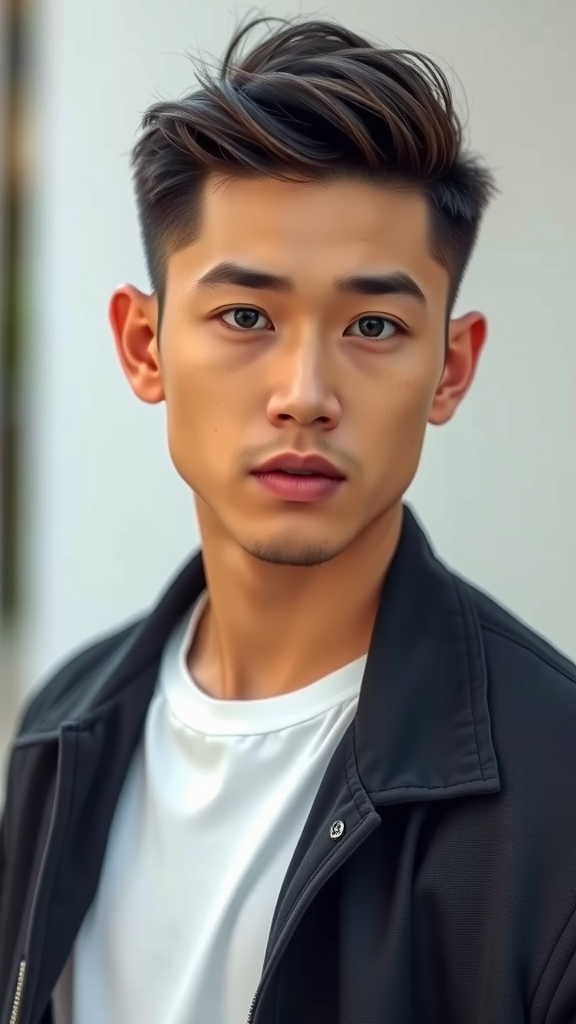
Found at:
(70, 797)
(81, 678)
(349, 762)
(95, 658)
(433, 789)
(472, 715)
(519, 643)
(81, 723)
(549, 958)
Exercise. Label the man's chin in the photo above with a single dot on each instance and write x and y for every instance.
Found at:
(302, 555)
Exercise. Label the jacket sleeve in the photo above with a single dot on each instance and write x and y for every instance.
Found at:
(2, 862)
(3, 843)
(5, 813)
(5, 951)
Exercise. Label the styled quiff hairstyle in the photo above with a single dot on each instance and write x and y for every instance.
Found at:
(311, 102)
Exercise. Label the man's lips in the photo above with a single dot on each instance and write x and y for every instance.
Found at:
(299, 480)
(294, 464)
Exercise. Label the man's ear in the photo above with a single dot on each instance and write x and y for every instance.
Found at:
(466, 337)
(133, 316)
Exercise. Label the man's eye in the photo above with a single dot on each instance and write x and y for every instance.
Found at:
(376, 328)
(244, 318)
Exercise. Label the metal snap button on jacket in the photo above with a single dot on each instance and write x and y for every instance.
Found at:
(337, 830)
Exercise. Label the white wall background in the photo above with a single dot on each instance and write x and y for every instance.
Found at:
(3, 113)
(108, 520)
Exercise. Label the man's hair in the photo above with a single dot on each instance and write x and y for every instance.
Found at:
(311, 102)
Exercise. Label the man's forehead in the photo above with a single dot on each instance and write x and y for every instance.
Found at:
(245, 196)
(284, 227)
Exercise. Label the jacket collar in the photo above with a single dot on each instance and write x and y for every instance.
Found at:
(422, 728)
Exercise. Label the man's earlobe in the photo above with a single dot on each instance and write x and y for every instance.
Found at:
(466, 338)
(133, 317)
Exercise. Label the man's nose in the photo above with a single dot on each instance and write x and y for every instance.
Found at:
(304, 385)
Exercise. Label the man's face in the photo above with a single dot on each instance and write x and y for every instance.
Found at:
(250, 370)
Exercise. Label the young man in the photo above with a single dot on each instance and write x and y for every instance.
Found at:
(324, 780)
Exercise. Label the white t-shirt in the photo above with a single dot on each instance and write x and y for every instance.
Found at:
(204, 831)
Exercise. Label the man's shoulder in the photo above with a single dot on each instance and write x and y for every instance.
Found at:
(520, 642)
(65, 688)
(531, 684)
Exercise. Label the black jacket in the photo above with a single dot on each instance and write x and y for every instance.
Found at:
(450, 895)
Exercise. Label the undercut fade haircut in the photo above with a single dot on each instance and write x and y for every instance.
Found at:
(311, 102)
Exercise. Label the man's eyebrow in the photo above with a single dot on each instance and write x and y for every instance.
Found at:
(392, 283)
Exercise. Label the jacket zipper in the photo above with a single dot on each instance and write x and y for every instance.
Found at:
(23, 967)
(292, 921)
(250, 1011)
(18, 993)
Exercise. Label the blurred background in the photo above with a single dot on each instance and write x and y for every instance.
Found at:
(93, 519)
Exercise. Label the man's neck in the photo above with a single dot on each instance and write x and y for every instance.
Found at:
(269, 630)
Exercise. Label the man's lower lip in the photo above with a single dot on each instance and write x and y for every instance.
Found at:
(293, 487)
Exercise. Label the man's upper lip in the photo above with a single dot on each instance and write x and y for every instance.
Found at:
(300, 464)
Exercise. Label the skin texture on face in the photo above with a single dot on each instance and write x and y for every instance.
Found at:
(248, 373)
